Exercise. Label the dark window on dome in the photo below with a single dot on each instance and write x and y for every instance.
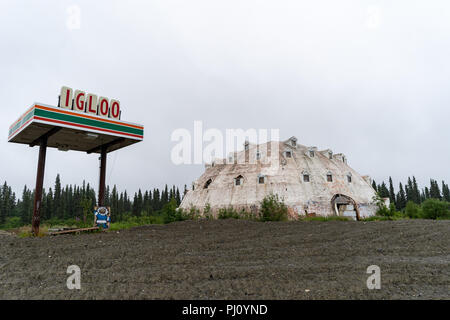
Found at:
(207, 184)
(288, 154)
(330, 155)
(329, 177)
(306, 177)
(311, 154)
(349, 179)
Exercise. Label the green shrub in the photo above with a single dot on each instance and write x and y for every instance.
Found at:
(247, 215)
(12, 223)
(227, 213)
(273, 209)
(192, 214)
(435, 209)
(207, 214)
(171, 213)
(384, 211)
(413, 210)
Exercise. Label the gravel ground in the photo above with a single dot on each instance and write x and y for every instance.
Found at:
(234, 259)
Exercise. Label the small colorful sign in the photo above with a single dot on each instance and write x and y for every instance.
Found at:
(89, 103)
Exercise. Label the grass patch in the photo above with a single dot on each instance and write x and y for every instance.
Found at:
(25, 231)
(129, 222)
(136, 222)
(384, 218)
(330, 218)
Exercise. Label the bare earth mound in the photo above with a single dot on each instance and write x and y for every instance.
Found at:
(234, 259)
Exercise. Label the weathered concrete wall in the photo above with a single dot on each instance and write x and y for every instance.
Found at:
(283, 176)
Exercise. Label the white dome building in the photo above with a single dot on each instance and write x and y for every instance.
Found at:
(310, 182)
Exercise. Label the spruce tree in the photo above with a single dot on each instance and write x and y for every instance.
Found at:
(164, 196)
(427, 193)
(135, 208)
(4, 203)
(409, 189)
(445, 191)
(50, 206)
(434, 190)
(383, 191)
(121, 207)
(26, 206)
(156, 200)
(57, 198)
(107, 197)
(115, 203)
(140, 203)
(401, 198)
(391, 192)
(415, 191)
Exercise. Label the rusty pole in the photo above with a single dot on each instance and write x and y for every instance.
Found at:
(39, 184)
(101, 185)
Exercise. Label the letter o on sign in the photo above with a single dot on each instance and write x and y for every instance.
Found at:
(115, 109)
(103, 107)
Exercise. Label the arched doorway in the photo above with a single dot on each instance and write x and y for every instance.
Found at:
(345, 206)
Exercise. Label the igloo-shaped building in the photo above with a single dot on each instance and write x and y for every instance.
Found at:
(310, 182)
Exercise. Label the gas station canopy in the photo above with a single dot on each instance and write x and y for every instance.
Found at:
(79, 124)
(72, 130)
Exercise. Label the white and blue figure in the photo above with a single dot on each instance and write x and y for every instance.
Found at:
(102, 217)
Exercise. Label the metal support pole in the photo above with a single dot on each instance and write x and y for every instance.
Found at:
(101, 185)
(39, 184)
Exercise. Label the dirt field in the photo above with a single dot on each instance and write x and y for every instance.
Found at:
(234, 259)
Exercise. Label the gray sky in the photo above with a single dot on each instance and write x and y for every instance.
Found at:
(366, 78)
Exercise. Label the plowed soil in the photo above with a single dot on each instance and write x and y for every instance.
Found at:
(234, 259)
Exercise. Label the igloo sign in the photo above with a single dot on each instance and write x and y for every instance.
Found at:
(89, 103)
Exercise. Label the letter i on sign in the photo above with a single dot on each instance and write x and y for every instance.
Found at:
(65, 98)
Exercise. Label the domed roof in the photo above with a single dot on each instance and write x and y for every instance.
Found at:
(305, 178)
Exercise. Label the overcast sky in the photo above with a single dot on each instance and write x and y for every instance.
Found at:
(366, 78)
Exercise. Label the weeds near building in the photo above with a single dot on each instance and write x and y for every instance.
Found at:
(273, 209)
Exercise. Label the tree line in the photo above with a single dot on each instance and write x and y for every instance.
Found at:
(410, 192)
(74, 202)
